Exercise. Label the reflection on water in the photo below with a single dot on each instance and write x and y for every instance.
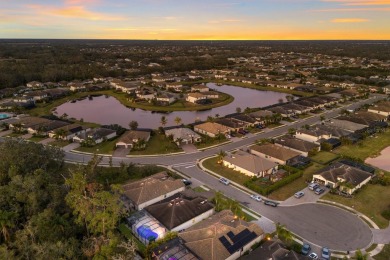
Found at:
(108, 110)
(382, 161)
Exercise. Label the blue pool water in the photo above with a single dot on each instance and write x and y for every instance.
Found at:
(146, 233)
(3, 116)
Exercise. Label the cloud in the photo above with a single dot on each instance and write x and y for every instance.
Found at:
(75, 12)
(349, 20)
(373, 9)
(79, 2)
(225, 21)
(359, 2)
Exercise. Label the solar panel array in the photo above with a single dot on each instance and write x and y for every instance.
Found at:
(239, 240)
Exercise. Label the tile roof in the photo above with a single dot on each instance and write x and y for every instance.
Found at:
(275, 151)
(182, 132)
(129, 136)
(178, 209)
(152, 187)
(350, 174)
(213, 128)
(204, 238)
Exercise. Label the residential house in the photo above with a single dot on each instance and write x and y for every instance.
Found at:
(212, 129)
(232, 123)
(46, 126)
(130, 138)
(152, 189)
(165, 98)
(221, 236)
(250, 164)
(179, 212)
(67, 132)
(97, 135)
(211, 94)
(381, 108)
(262, 116)
(26, 122)
(342, 176)
(145, 94)
(36, 95)
(274, 250)
(173, 249)
(200, 88)
(183, 135)
(298, 145)
(313, 135)
(275, 153)
(284, 112)
(76, 86)
(246, 119)
(34, 84)
(347, 125)
(195, 97)
(125, 86)
(175, 87)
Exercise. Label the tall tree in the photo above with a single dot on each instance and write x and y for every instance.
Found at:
(133, 125)
(163, 121)
(178, 120)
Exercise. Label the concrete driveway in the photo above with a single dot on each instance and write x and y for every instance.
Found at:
(309, 197)
(71, 147)
(189, 148)
(4, 133)
(46, 141)
(27, 136)
(121, 152)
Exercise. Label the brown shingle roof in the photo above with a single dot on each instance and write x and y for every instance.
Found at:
(146, 189)
(296, 144)
(129, 136)
(250, 162)
(204, 238)
(178, 209)
(214, 128)
(275, 151)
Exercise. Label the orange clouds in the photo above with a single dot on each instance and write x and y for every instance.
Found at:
(349, 20)
(74, 12)
(360, 2)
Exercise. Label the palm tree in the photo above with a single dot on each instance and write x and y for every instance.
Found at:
(163, 121)
(59, 134)
(238, 109)
(210, 119)
(360, 256)
(218, 201)
(221, 154)
(179, 140)
(283, 233)
(292, 131)
(289, 98)
(178, 120)
(322, 118)
(6, 223)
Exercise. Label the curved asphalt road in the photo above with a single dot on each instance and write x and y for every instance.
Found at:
(319, 224)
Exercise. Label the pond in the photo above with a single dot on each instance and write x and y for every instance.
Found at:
(382, 161)
(108, 110)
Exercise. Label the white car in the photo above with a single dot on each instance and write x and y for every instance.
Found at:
(313, 256)
(256, 197)
(224, 181)
(299, 194)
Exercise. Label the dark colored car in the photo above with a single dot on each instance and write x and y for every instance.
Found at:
(319, 191)
(271, 203)
(325, 253)
(305, 249)
(241, 132)
(187, 182)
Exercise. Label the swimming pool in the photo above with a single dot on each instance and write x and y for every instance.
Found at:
(4, 116)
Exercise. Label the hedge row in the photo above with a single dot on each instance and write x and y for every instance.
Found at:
(267, 190)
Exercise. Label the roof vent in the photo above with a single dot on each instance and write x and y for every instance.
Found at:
(177, 203)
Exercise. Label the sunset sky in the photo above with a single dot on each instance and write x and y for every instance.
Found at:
(196, 19)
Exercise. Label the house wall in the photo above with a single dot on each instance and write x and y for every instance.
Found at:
(193, 221)
(204, 132)
(296, 150)
(318, 177)
(379, 112)
(247, 247)
(350, 191)
(239, 169)
(160, 198)
(276, 160)
(306, 137)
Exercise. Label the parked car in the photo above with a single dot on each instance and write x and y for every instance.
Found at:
(305, 249)
(313, 256)
(241, 131)
(325, 253)
(256, 197)
(224, 181)
(260, 126)
(299, 194)
(228, 136)
(319, 191)
(232, 135)
(313, 186)
(187, 182)
(271, 203)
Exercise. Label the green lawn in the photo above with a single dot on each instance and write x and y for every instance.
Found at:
(370, 147)
(158, 144)
(303, 116)
(370, 200)
(324, 157)
(207, 142)
(226, 172)
(274, 125)
(59, 143)
(199, 189)
(36, 139)
(384, 254)
(105, 147)
(288, 190)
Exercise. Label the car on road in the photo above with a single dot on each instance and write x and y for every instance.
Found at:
(305, 249)
(224, 181)
(313, 255)
(319, 191)
(299, 194)
(271, 203)
(187, 182)
(256, 197)
(325, 253)
(313, 186)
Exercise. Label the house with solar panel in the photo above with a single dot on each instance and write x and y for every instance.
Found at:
(221, 236)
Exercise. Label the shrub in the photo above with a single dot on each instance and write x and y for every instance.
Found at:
(386, 213)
